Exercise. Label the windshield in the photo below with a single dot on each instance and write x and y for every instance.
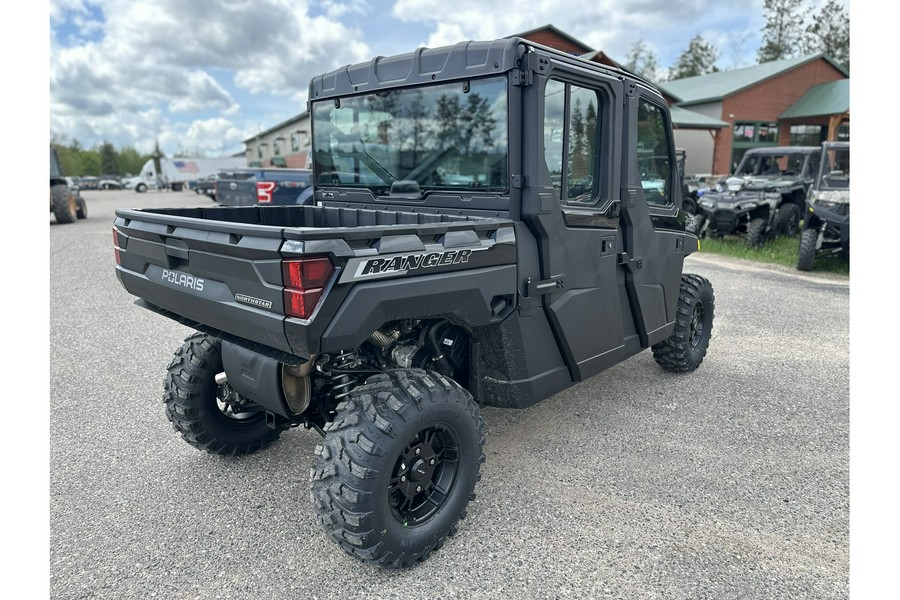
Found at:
(835, 171)
(773, 165)
(442, 137)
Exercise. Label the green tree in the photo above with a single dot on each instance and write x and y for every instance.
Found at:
(783, 32)
(69, 158)
(131, 162)
(641, 61)
(109, 159)
(829, 33)
(699, 59)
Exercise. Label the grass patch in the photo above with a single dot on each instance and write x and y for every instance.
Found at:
(780, 251)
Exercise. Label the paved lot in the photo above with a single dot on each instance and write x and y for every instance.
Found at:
(731, 482)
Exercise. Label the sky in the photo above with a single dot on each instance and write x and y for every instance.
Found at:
(201, 76)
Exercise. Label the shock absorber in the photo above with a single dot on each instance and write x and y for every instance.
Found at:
(342, 383)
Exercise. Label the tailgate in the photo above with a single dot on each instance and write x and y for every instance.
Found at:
(226, 276)
(236, 189)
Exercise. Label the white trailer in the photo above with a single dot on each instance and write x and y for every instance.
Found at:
(176, 173)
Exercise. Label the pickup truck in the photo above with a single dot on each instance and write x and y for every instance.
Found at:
(247, 187)
(445, 265)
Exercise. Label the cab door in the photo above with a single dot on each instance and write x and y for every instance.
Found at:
(653, 226)
(575, 216)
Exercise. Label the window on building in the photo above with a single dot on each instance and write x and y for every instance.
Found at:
(768, 132)
(807, 135)
(654, 158)
(295, 141)
(571, 137)
(262, 149)
(277, 146)
(744, 132)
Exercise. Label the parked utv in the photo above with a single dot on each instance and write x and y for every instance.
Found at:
(481, 234)
(826, 228)
(764, 198)
(66, 202)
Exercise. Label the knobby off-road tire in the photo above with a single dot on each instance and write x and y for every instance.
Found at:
(807, 254)
(788, 219)
(81, 205)
(376, 453)
(194, 408)
(684, 350)
(65, 208)
(756, 233)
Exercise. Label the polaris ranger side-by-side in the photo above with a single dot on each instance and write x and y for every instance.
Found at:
(826, 226)
(764, 198)
(482, 234)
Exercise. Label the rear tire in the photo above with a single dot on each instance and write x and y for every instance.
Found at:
(195, 406)
(684, 350)
(62, 200)
(807, 254)
(398, 466)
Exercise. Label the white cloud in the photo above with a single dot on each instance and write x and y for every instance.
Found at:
(157, 63)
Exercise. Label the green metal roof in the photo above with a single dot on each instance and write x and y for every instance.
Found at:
(683, 118)
(824, 99)
(716, 86)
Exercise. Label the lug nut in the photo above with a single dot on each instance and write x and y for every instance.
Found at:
(431, 462)
(418, 450)
(402, 466)
(418, 488)
(402, 478)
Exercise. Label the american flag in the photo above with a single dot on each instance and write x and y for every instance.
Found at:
(186, 166)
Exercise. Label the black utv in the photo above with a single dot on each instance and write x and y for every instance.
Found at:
(826, 227)
(493, 223)
(764, 198)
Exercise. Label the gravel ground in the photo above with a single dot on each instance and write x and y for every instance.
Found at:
(730, 482)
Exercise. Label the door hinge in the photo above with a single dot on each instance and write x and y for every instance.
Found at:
(632, 264)
(518, 181)
(522, 77)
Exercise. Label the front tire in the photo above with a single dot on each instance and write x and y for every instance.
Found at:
(788, 219)
(209, 416)
(756, 233)
(398, 466)
(684, 350)
(141, 188)
(807, 254)
(81, 207)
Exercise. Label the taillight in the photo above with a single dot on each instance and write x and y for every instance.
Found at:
(116, 245)
(304, 281)
(264, 191)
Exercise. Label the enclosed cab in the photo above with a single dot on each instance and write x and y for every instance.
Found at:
(493, 223)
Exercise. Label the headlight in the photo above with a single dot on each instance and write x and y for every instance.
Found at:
(830, 198)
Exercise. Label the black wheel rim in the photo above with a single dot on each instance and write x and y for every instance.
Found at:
(424, 475)
(698, 324)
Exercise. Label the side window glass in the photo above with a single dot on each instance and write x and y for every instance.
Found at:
(654, 162)
(571, 137)
(581, 128)
(554, 126)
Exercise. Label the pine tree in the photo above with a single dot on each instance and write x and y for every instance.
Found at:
(699, 59)
(642, 61)
(783, 33)
(829, 33)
